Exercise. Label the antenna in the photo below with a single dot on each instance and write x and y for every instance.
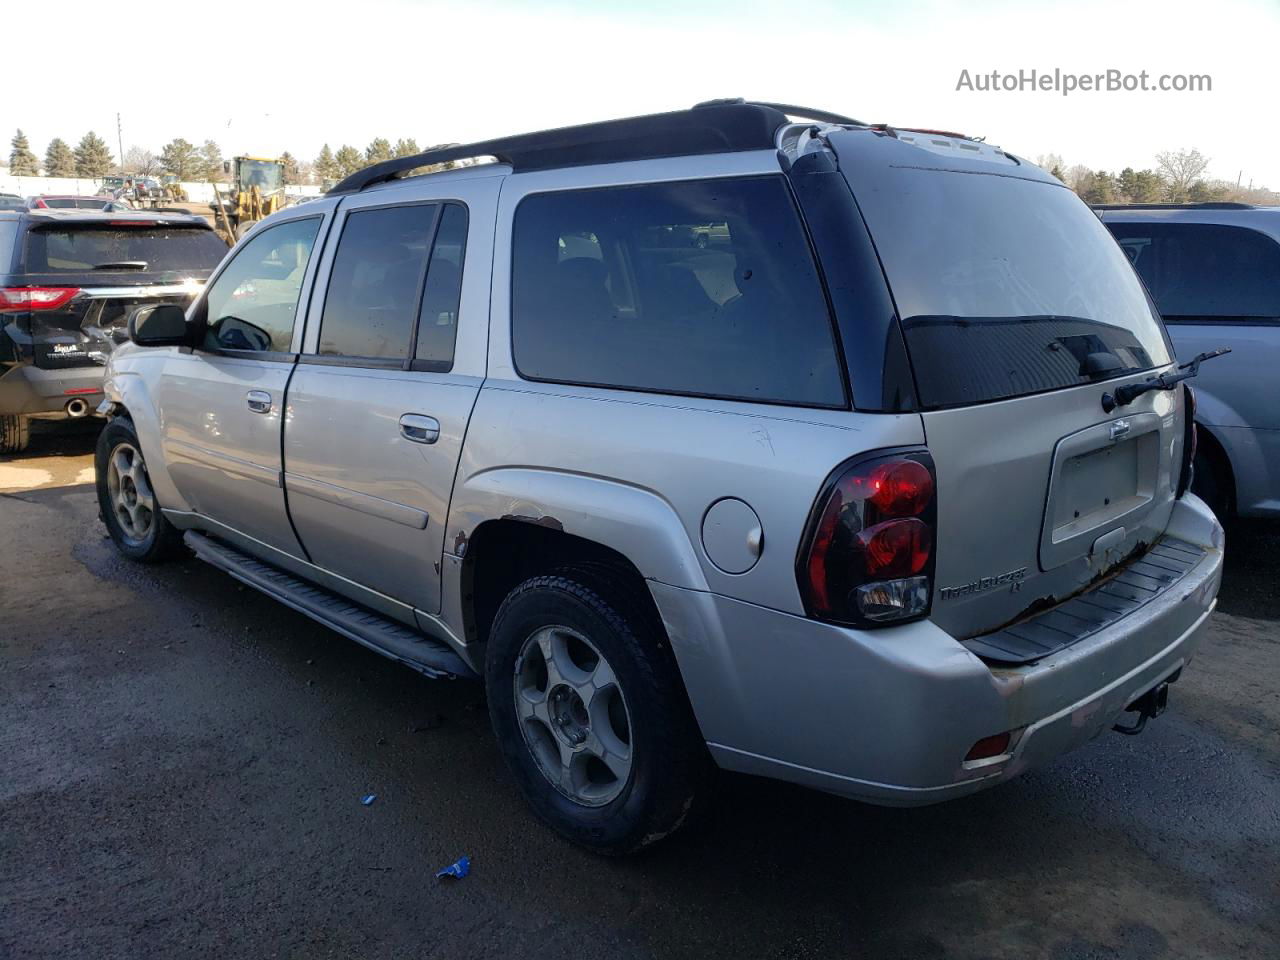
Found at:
(120, 144)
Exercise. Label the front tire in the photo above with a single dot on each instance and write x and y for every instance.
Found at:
(15, 433)
(590, 712)
(126, 501)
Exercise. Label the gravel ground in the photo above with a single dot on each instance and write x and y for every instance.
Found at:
(182, 762)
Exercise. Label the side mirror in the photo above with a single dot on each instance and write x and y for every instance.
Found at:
(164, 325)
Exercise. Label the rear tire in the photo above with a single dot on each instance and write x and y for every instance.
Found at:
(126, 501)
(15, 433)
(590, 712)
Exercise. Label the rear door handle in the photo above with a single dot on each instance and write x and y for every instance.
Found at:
(259, 401)
(419, 429)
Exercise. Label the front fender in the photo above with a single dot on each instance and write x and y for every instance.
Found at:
(635, 522)
(128, 394)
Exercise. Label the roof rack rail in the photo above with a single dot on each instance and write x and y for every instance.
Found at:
(717, 126)
(791, 110)
(1190, 205)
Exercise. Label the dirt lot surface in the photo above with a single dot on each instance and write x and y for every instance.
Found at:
(182, 762)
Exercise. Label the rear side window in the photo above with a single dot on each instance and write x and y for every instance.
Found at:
(376, 281)
(704, 288)
(155, 249)
(438, 319)
(1199, 270)
(397, 270)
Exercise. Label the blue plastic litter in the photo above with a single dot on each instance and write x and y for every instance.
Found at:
(459, 869)
(368, 801)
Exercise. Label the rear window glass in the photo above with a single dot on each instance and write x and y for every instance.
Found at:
(78, 249)
(704, 288)
(1198, 270)
(1005, 286)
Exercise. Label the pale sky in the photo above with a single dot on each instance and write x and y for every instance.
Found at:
(346, 72)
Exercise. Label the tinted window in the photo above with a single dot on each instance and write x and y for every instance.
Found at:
(372, 301)
(81, 248)
(438, 320)
(704, 288)
(1005, 286)
(1205, 270)
(253, 303)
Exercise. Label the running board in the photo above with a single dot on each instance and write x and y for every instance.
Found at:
(384, 636)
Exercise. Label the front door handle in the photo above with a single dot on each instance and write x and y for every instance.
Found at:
(259, 401)
(419, 429)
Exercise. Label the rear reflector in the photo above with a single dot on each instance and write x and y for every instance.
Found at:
(988, 747)
(75, 390)
(35, 298)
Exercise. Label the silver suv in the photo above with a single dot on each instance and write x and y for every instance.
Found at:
(875, 491)
(1214, 272)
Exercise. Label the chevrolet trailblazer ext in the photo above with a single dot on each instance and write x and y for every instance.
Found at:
(878, 492)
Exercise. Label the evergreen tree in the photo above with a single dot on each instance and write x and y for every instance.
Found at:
(291, 173)
(211, 160)
(182, 159)
(405, 148)
(59, 161)
(348, 160)
(377, 151)
(325, 166)
(93, 159)
(22, 162)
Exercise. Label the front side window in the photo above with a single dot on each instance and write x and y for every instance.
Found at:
(374, 286)
(1204, 270)
(253, 303)
(704, 288)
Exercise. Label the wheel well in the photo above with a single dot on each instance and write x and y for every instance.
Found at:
(1213, 448)
(502, 554)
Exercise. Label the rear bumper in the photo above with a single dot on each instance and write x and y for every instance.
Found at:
(32, 390)
(888, 716)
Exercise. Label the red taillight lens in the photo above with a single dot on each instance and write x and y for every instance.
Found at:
(35, 298)
(867, 556)
(896, 548)
(903, 488)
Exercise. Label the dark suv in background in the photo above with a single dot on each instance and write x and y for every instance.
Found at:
(68, 281)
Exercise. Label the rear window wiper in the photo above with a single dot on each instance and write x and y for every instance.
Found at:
(1132, 391)
(122, 265)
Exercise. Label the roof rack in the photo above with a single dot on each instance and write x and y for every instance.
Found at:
(1201, 205)
(717, 126)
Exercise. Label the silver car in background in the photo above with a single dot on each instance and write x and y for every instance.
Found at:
(1214, 272)
(875, 490)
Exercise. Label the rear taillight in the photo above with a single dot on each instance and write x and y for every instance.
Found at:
(867, 555)
(1190, 439)
(35, 298)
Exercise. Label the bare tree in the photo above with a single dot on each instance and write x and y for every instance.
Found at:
(1181, 170)
(141, 162)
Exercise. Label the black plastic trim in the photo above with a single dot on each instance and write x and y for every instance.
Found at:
(1079, 617)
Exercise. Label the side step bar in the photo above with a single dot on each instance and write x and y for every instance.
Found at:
(387, 637)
